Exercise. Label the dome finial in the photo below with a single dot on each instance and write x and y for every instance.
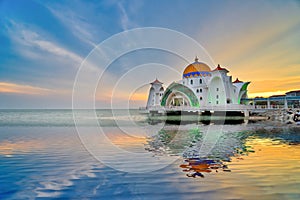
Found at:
(196, 59)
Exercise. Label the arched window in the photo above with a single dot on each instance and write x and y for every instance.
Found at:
(200, 81)
(197, 90)
(200, 98)
(191, 82)
(200, 90)
(217, 96)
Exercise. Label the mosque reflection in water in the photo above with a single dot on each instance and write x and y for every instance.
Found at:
(210, 148)
(196, 167)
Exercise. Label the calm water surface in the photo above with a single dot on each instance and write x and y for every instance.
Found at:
(42, 157)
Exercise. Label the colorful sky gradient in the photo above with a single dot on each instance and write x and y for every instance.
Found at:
(44, 42)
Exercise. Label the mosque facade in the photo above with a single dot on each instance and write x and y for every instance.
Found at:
(199, 87)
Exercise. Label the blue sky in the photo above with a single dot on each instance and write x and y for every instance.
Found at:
(44, 42)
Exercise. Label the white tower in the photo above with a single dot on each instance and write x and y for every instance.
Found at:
(155, 94)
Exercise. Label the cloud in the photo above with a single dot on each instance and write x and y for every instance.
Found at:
(77, 24)
(31, 44)
(6, 87)
(124, 17)
(50, 47)
(273, 86)
(236, 40)
(266, 94)
(259, 46)
(125, 21)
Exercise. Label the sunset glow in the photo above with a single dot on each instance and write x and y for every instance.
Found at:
(41, 52)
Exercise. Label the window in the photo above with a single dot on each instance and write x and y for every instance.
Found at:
(217, 96)
(191, 82)
(183, 82)
(200, 98)
(200, 90)
(217, 89)
(197, 90)
(217, 102)
(200, 81)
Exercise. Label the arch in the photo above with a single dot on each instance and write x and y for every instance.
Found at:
(178, 99)
(179, 89)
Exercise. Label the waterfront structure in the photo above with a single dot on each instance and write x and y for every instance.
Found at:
(288, 100)
(155, 94)
(200, 88)
(295, 93)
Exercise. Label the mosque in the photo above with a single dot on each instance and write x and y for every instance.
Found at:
(200, 87)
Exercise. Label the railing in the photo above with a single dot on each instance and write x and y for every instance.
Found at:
(230, 107)
(289, 98)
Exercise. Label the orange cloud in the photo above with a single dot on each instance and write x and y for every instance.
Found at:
(139, 97)
(121, 95)
(6, 87)
(273, 86)
(265, 94)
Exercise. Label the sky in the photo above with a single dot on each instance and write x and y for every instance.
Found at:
(44, 43)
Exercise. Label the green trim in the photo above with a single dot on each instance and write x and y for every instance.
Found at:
(183, 89)
(243, 91)
(245, 86)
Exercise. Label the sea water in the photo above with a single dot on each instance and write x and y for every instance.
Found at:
(44, 154)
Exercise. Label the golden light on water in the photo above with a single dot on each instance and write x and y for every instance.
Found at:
(273, 160)
(124, 140)
(9, 148)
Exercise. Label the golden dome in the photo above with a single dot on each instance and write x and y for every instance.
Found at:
(195, 68)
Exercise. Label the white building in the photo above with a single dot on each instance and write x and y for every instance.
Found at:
(155, 94)
(200, 87)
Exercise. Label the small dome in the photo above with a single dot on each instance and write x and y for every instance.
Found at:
(196, 68)
(156, 82)
(219, 68)
(237, 81)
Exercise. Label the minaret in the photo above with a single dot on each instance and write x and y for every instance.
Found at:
(155, 94)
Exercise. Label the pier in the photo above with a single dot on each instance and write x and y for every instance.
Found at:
(234, 110)
(266, 105)
(275, 102)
